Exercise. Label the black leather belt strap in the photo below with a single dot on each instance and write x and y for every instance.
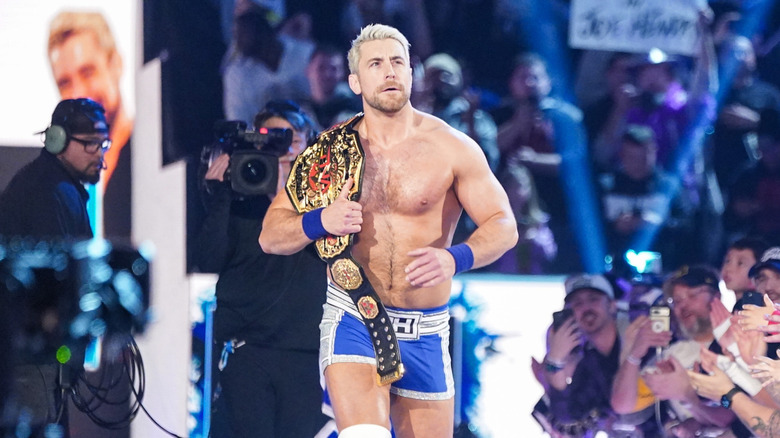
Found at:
(349, 275)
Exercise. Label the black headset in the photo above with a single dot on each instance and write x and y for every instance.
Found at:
(56, 136)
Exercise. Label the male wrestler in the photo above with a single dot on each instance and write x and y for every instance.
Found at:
(418, 176)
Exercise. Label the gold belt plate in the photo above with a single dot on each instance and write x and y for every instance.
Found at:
(319, 173)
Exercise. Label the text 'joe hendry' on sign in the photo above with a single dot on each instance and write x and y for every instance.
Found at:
(635, 25)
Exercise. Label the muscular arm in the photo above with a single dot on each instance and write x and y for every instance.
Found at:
(282, 231)
(486, 202)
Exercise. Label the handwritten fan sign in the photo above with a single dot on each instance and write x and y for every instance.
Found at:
(635, 25)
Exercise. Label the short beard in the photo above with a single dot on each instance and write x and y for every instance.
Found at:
(393, 106)
(701, 326)
(90, 178)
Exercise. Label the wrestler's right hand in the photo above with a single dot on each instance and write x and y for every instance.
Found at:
(343, 216)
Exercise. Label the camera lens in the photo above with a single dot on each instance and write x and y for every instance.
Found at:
(253, 171)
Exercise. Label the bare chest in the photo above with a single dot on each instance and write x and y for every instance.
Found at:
(405, 181)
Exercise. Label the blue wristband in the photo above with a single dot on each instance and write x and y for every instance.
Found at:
(312, 224)
(464, 258)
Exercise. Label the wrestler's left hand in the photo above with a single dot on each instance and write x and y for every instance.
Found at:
(430, 267)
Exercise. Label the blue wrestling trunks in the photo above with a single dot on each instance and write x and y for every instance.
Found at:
(423, 337)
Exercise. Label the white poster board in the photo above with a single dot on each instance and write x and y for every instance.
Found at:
(635, 25)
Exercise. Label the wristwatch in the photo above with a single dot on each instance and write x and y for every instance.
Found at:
(725, 399)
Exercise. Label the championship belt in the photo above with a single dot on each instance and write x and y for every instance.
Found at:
(316, 179)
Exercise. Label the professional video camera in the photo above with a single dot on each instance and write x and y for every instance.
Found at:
(254, 155)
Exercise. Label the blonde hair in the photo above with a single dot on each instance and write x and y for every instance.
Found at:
(69, 23)
(374, 32)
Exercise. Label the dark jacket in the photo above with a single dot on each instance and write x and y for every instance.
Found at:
(268, 300)
(44, 201)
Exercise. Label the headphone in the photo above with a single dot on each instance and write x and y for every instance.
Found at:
(55, 139)
(56, 136)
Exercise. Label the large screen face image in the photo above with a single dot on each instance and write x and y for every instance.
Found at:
(57, 49)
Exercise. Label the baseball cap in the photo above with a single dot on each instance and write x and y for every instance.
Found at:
(588, 281)
(770, 259)
(80, 116)
(693, 276)
(444, 62)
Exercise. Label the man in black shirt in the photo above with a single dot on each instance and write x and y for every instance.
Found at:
(580, 401)
(268, 306)
(635, 200)
(46, 200)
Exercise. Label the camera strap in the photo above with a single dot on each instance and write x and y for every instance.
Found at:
(316, 179)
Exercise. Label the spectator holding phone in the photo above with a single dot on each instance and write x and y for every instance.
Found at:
(692, 292)
(649, 327)
(580, 404)
(764, 318)
(766, 274)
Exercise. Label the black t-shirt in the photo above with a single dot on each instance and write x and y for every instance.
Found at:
(268, 300)
(590, 388)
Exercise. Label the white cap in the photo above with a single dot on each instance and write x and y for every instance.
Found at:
(588, 281)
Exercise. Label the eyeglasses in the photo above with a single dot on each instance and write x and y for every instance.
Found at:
(92, 146)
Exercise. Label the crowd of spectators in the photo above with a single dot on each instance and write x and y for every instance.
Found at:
(635, 117)
(667, 355)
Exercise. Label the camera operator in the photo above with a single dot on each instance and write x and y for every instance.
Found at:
(268, 306)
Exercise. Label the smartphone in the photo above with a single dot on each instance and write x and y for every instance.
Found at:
(750, 297)
(660, 318)
(560, 317)
(753, 297)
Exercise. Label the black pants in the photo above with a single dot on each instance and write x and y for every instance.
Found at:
(268, 393)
